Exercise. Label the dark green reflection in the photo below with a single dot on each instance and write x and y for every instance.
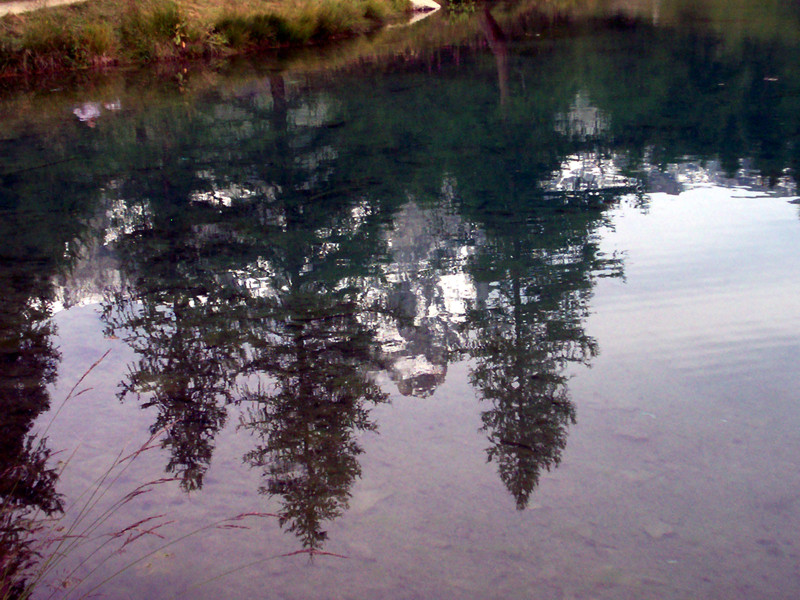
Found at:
(256, 272)
(183, 327)
(309, 335)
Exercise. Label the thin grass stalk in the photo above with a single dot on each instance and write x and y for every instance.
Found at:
(72, 393)
(71, 538)
(95, 497)
(99, 490)
(69, 541)
(36, 516)
(170, 544)
(78, 533)
(113, 536)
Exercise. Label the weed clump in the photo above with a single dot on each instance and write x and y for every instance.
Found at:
(151, 32)
(260, 29)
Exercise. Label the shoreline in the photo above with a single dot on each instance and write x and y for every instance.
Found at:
(18, 7)
(58, 36)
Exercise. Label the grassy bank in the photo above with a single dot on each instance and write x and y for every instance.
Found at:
(103, 32)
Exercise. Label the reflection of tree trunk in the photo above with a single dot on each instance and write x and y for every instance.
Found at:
(277, 88)
(656, 11)
(497, 43)
(280, 124)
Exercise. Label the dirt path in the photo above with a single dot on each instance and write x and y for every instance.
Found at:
(14, 8)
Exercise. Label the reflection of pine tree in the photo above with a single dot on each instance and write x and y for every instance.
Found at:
(320, 237)
(310, 342)
(182, 323)
(315, 403)
(526, 329)
(43, 223)
(28, 364)
(27, 486)
(531, 410)
(188, 358)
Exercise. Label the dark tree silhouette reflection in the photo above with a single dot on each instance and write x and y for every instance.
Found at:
(527, 327)
(183, 372)
(311, 342)
(183, 326)
(307, 414)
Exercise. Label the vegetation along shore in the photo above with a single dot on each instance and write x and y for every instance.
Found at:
(97, 33)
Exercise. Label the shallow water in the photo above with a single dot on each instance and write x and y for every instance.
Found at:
(517, 318)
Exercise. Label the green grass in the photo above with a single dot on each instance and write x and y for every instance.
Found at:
(102, 32)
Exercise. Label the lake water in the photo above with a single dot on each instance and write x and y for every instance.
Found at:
(509, 315)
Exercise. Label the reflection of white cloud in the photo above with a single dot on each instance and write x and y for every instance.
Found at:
(427, 286)
(417, 376)
(582, 119)
(123, 218)
(310, 114)
(360, 212)
(588, 171)
(88, 111)
(689, 175)
(221, 195)
(61, 304)
(257, 279)
(95, 269)
(457, 290)
(415, 366)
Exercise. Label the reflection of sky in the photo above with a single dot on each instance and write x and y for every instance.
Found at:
(710, 276)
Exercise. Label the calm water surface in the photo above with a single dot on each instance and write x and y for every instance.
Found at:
(514, 318)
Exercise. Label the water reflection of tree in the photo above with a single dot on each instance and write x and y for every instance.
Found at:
(182, 324)
(187, 362)
(535, 273)
(312, 347)
(27, 490)
(312, 351)
(533, 270)
(263, 284)
(314, 403)
(526, 328)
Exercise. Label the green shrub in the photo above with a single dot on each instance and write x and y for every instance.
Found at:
(259, 29)
(126, 31)
(45, 36)
(99, 39)
(375, 10)
(164, 21)
(152, 31)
